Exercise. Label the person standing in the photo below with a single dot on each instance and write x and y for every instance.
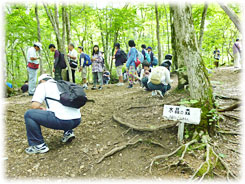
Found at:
(83, 67)
(130, 64)
(149, 50)
(119, 57)
(32, 66)
(97, 67)
(72, 57)
(57, 70)
(216, 57)
(56, 116)
(237, 50)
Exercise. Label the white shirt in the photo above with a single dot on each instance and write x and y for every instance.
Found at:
(165, 75)
(73, 53)
(50, 89)
(32, 53)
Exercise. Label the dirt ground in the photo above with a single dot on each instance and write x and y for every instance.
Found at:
(99, 133)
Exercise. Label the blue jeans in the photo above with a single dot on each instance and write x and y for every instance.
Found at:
(36, 117)
(163, 88)
(32, 73)
(144, 82)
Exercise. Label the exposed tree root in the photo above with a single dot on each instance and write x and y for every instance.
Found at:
(230, 132)
(129, 143)
(231, 108)
(232, 116)
(144, 128)
(211, 160)
(226, 97)
(185, 146)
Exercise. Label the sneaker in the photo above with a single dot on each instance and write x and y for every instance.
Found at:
(100, 88)
(130, 85)
(93, 88)
(85, 86)
(30, 94)
(41, 148)
(159, 92)
(68, 137)
(153, 93)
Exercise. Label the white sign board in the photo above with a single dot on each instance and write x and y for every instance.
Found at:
(182, 113)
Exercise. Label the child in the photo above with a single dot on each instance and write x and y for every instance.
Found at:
(83, 67)
(106, 77)
(130, 64)
(97, 67)
(145, 72)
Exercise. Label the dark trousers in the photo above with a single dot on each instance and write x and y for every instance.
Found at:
(163, 88)
(34, 118)
(144, 82)
(72, 74)
(57, 74)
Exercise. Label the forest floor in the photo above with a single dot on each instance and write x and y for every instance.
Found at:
(99, 133)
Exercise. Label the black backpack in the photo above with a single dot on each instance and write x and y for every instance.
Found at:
(71, 95)
(62, 63)
(124, 56)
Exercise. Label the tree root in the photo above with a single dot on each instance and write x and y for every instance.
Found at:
(230, 108)
(143, 128)
(211, 160)
(230, 132)
(225, 97)
(129, 143)
(231, 116)
(185, 146)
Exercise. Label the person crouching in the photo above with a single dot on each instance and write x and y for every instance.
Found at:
(56, 116)
(159, 80)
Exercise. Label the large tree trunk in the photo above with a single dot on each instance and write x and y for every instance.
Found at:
(204, 14)
(187, 50)
(234, 18)
(158, 36)
(64, 18)
(39, 37)
(178, 61)
(166, 15)
(68, 28)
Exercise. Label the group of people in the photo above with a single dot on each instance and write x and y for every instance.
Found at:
(60, 117)
(237, 54)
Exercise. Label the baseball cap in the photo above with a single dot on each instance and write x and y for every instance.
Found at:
(44, 77)
(39, 45)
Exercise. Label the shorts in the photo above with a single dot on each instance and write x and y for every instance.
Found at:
(84, 72)
(119, 70)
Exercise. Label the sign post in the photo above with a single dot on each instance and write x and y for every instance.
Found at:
(183, 115)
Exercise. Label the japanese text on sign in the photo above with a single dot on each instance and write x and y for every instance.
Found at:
(182, 113)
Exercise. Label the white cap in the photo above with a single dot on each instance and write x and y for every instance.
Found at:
(39, 45)
(44, 77)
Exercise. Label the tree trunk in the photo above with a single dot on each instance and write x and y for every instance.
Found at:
(55, 25)
(187, 50)
(68, 28)
(39, 38)
(24, 54)
(166, 14)
(158, 36)
(178, 61)
(64, 43)
(204, 14)
(233, 16)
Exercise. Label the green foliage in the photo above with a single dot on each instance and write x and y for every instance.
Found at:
(105, 25)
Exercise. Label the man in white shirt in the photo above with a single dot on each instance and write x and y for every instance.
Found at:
(72, 57)
(32, 66)
(237, 51)
(56, 116)
(159, 79)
